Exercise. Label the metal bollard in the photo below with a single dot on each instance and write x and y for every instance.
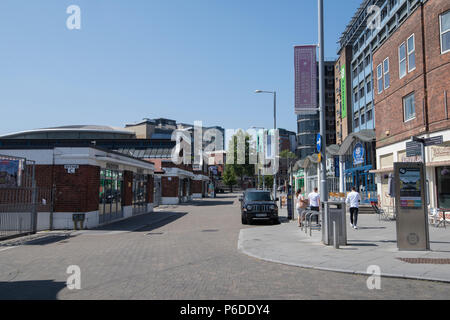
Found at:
(335, 236)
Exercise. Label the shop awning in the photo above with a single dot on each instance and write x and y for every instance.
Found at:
(384, 170)
(364, 136)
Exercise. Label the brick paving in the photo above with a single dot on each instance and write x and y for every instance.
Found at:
(178, 252)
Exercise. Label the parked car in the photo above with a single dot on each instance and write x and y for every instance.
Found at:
(258, 205)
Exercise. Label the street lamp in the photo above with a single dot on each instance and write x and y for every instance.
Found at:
(257, 156)
(275, 128)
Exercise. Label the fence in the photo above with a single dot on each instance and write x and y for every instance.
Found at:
(20, 199)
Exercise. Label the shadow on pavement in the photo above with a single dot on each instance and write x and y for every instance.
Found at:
(30, 290)
(210, 203)
(161, 223)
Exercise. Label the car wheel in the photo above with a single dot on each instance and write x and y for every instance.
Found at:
(244, 220)
(275, 221)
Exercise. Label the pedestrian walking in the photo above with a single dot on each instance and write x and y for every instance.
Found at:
(353, 200)
(302, 203)
(314, 202)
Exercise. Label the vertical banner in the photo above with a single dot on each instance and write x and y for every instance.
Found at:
(343, 93)
(305, 79)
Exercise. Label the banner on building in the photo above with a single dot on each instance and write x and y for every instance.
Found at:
(9, 172)
(343, 93)
(305, 79)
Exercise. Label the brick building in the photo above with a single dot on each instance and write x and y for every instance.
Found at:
(412, 80)
(103, 185)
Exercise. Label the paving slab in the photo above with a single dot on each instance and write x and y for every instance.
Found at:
(373, 244)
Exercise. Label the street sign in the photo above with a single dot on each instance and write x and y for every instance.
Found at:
(319, 143)
(413, 149)
(434, 141)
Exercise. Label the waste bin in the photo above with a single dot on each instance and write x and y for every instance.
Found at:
(334, 211)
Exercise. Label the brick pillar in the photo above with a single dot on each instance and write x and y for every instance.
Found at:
(127, 188)
(150, 186)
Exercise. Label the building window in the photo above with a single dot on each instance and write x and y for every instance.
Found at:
(380, 78)
(409, 109)
(411, 53)
(402, 60)
(363, 118)
(369, 115)
(445, 32)
(369, 86)
(387, 79)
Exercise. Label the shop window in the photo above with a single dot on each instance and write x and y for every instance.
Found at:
(110, 195)
(443, 187)
(445, 32)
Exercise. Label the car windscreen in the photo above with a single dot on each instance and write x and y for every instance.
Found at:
(259, 196)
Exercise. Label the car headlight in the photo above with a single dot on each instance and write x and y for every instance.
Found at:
(273, 207)
(249, 208)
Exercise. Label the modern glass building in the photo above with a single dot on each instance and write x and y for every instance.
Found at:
(308, 125)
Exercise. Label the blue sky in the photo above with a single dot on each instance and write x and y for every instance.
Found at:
(181, 59)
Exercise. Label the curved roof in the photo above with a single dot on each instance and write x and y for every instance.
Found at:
(71, 131)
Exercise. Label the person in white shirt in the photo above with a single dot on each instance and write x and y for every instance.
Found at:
(353, 200)
(314, 202)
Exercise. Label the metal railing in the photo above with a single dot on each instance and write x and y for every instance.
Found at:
(19, 196)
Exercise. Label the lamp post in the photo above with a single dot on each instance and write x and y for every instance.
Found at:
(257, 156)
(275, 128)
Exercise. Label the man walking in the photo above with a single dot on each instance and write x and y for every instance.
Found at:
(314, 202)
(353, 200)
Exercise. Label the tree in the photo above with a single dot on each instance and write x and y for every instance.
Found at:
(289, 157)
(229, 177)
(246, 169)
(268, 181)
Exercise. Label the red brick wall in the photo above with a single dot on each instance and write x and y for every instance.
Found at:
(428, 81)
(196, 186)
(389, 104)
(78, 192)
(438, 66)
(127, 188)
(169, 188)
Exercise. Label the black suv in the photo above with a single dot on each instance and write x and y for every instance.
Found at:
(258, 205)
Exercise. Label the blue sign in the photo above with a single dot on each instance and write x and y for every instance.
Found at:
(358, 154)
(319, 143)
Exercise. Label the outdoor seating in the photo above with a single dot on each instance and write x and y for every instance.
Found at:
(433, 216)
(443, 220)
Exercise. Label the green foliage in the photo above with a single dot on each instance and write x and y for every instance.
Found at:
(229, 177)
(246, 169)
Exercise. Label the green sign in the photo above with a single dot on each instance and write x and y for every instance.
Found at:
(343, 93)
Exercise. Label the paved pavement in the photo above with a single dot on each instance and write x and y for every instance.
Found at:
(373, 244)
(179, 252)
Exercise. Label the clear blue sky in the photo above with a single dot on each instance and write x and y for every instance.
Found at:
(180, 59)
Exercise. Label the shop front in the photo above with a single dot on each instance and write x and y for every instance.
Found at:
(357, 158)
(437, 171)
(110, 195)
(91, 186)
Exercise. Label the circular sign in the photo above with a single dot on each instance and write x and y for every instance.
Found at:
(358, 154)
(319, 143)
(413, 239)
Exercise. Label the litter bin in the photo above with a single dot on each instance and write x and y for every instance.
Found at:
(334, 211)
